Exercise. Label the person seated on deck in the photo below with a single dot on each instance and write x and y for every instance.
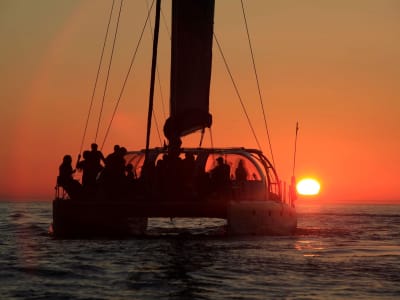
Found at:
(220, 177)
(66, 180)
(130, 174)
(241, 172)
(130, 180)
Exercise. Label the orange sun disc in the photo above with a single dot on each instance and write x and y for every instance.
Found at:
(308, 186)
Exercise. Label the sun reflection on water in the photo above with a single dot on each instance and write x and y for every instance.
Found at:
(309, 248)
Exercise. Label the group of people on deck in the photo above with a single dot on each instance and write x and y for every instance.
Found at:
(170, 177)
(111, 172)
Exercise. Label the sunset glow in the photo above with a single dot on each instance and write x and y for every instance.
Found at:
(333, 78)
(308, 187)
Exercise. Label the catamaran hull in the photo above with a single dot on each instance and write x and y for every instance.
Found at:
(261, 218)
(119, 219)
(72, 219)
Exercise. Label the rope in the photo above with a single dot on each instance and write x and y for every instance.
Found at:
(152, 77)
(108, 71)
(211, 139)
(158, 129)
(158, 73)
(127, 75)
(165, 23)
(258, 83)
(237, 91)
(201, 137)
(97, 77)
(159, 86)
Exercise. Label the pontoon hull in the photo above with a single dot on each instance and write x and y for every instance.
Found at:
(117, 219)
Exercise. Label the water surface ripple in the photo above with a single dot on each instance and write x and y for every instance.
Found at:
(338, 252)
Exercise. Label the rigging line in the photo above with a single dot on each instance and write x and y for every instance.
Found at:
(258, 82)
(158, 129)
(212, 145)
(127, 74)
(152, 77)
(161, 94)
(211, 138)
(237, 91)
(97, 77)
(158, 74)
(165, 23)
(201, 137)
(108, 71)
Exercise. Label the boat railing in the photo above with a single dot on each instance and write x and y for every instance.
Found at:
(289, 195)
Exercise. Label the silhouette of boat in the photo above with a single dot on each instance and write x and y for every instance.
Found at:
(237, 184)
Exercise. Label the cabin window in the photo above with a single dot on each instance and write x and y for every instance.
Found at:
(137, 160)
(235, 162)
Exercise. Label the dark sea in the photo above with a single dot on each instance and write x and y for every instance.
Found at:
(338, 252)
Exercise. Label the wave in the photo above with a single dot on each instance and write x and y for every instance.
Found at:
(16, 216)
(322, 232)
(386, 215)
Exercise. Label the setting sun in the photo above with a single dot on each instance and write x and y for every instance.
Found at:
(308, 186)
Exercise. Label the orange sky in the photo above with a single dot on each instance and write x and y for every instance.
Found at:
(332, 65)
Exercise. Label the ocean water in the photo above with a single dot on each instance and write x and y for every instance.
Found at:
(338, 252)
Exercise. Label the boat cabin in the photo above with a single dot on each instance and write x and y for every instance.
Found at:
(197, 174)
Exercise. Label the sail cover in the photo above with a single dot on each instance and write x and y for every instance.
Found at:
(191, 54)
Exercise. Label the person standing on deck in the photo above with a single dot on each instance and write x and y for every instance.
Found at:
(96, 157)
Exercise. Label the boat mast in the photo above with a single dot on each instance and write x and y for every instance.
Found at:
(152, 79)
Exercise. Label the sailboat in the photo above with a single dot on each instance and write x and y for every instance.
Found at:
(237, 184)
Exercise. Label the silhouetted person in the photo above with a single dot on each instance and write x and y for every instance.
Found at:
(221, 173)
(114, 172)
(130, 174)
(89, 171)
(220, 176)
(96, 157)
(66, 180)
(130, 181)
(121, 162)
(241, 172)
(110, 157)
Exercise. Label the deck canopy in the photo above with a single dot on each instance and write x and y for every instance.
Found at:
(259, 182)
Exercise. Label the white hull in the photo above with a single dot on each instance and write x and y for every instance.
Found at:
(261, 218)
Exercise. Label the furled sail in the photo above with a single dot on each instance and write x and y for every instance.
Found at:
(191, 55)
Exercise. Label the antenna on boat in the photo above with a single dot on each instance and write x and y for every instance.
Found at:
(295, 148)
(292, 188)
